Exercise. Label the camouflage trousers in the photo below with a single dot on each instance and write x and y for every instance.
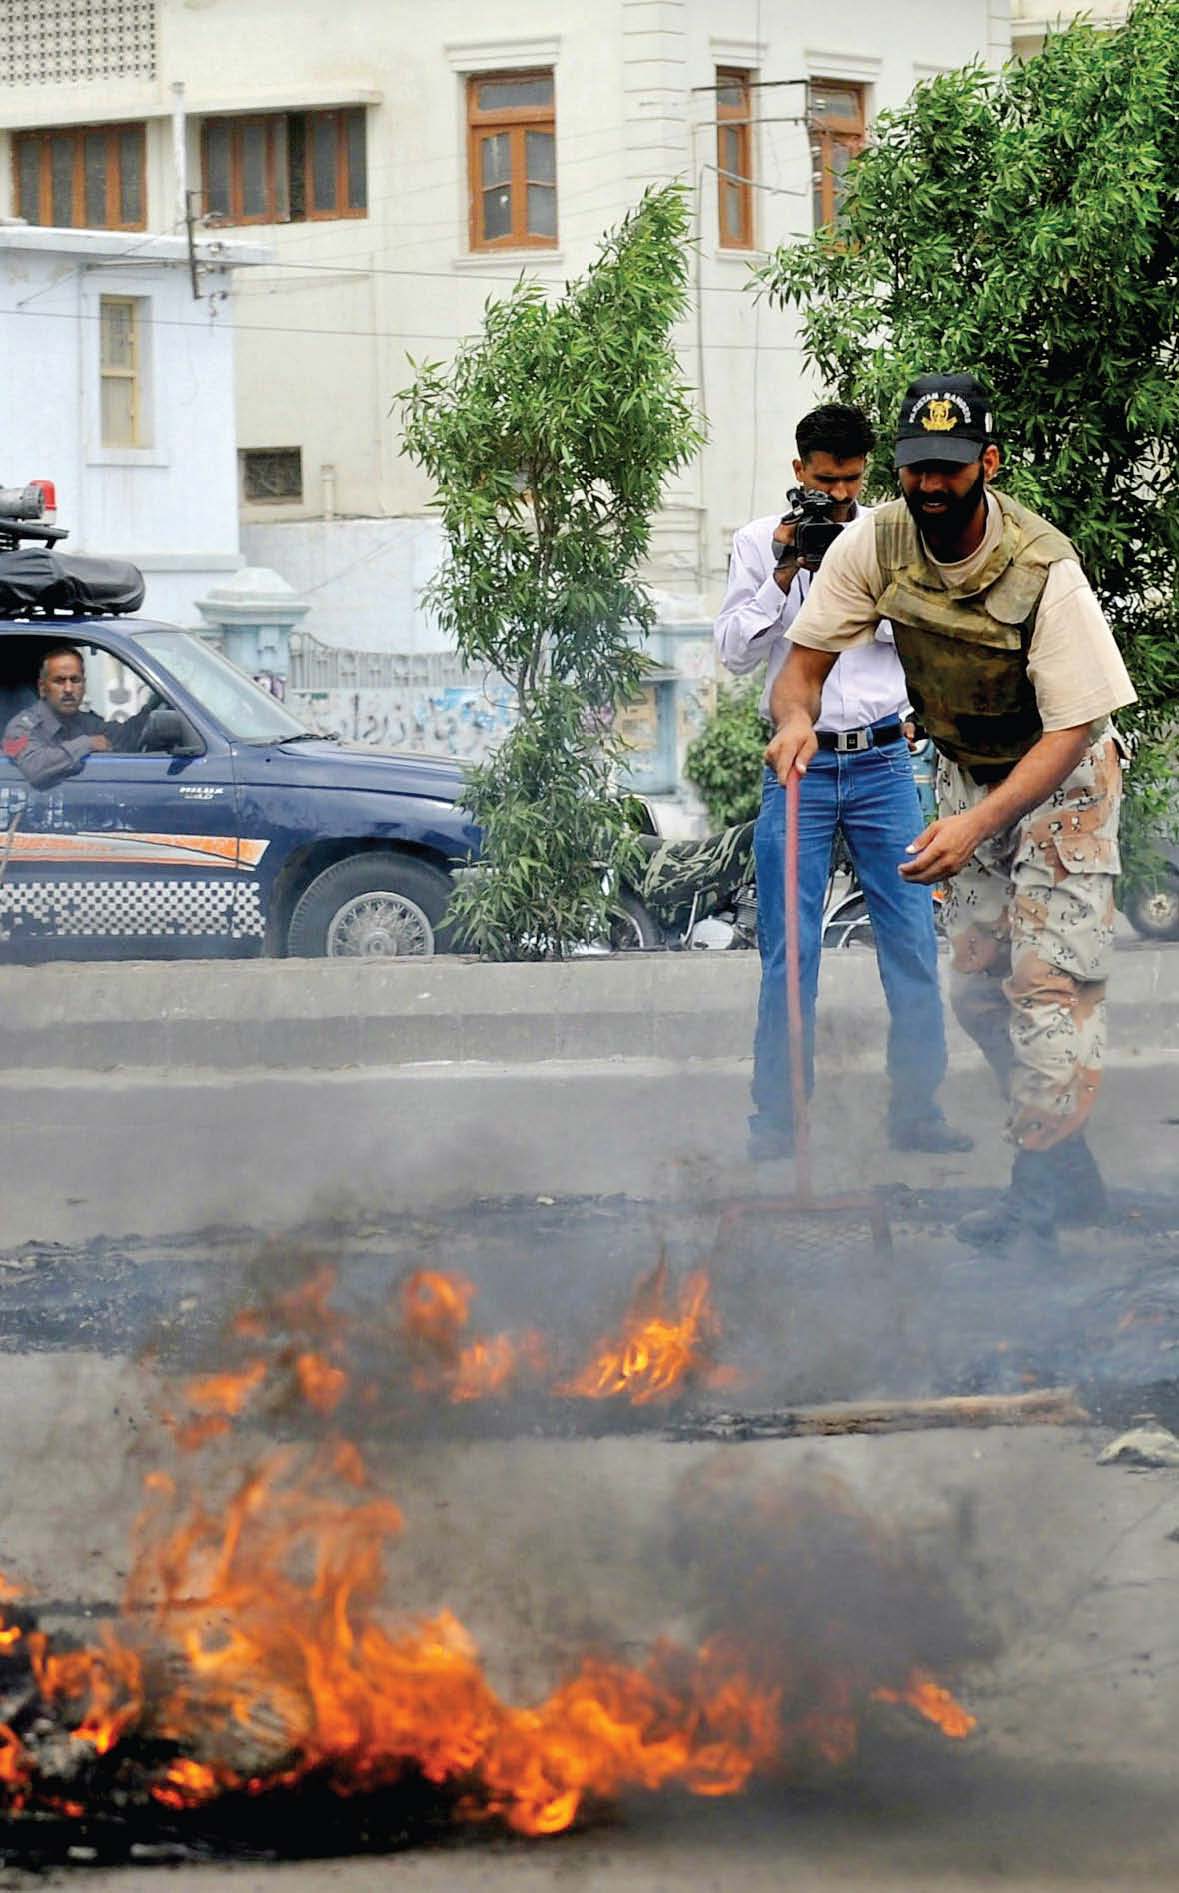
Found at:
(1030, 920)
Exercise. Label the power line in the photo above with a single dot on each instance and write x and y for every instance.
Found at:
(133, 249)
(359, 335)
(448, 276)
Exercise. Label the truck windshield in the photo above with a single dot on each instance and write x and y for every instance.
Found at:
(243, 709)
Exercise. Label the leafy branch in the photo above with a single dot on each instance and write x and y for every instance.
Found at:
(549, 438)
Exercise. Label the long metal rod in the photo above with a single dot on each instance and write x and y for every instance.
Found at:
(802, 1130)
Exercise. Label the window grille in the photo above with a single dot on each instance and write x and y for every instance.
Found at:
(271, 474)
(63, 42)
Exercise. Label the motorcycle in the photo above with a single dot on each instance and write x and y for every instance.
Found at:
(1154, 911)
(704, 894)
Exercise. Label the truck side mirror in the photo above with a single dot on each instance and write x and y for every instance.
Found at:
(168, 730)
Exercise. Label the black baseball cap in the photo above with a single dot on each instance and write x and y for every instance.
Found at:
(944, 417)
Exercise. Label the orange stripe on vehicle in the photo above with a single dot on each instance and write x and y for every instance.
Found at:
(139, 849)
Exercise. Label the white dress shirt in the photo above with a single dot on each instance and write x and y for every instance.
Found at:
(867, 683)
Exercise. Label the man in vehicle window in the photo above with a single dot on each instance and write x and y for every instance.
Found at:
(861, 782)
(52, 738)
(1016, 674)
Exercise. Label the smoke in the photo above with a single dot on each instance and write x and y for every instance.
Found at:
(835, 1595)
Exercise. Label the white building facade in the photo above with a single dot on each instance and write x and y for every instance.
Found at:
(404, 165)
(1033, 20)
(118, 388)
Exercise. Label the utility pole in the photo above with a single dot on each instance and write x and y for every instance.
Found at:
(189, 225)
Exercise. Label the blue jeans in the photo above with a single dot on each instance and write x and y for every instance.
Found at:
(871, 795)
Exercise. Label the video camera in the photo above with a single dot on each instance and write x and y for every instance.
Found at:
(815, 532)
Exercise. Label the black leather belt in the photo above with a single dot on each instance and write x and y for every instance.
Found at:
(850, 742)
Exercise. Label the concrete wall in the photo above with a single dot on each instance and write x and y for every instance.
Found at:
(362, 577)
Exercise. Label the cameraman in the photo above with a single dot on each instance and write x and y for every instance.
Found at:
(860, 781)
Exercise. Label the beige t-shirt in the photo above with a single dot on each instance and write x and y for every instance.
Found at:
(1073, 661)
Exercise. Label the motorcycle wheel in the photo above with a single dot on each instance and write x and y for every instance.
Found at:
(849, 926)
(632, 927)
(1155, 913)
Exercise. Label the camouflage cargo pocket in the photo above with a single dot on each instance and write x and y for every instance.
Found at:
(1075, 832)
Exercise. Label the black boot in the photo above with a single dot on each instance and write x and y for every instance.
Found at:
(1080, 1191)
(1023, 1221)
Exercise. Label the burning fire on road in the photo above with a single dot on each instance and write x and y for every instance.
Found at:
(256, 1654)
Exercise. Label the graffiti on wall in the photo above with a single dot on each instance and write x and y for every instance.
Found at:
(464, 720)
(428, 703)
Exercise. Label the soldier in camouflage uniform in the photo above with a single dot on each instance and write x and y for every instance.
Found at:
(1015, 674)
(1030, 920)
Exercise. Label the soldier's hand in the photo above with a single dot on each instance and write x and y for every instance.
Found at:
(943, 849)
(100, 742)
(792, 746)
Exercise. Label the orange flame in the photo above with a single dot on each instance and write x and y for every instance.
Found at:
(225, 1393)
(435, 1309)
(366, 1700)
(322, 1385)
(664, 1343)
(934, 1702)
(288, 1649)
(435, 1312)
(106, 1683)
(254, 1641)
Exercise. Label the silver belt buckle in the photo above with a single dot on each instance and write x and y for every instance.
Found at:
(851, 741)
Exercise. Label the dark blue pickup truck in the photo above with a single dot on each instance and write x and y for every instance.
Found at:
(233, 831)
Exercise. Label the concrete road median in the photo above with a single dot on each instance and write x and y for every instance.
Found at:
(332, 1015)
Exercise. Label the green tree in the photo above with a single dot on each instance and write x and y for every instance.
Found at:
(725, 761)
(1026, 226)
(549, 438)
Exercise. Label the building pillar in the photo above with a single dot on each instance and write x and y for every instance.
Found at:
(253, 614)
(655, 91)
(998, 32)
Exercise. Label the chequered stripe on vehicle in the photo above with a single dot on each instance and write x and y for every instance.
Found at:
(142, 908)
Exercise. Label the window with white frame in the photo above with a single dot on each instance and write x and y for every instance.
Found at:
(123, 420)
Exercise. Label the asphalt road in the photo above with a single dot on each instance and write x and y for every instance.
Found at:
(1070, 1570)
(1074, 1569)
(106, 1154)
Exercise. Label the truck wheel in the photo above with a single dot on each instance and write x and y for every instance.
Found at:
(1155, 914)
(373, 907)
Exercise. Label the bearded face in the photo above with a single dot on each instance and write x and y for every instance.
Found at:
(943, 500)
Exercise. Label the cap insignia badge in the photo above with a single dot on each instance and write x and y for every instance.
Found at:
(939, 417)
